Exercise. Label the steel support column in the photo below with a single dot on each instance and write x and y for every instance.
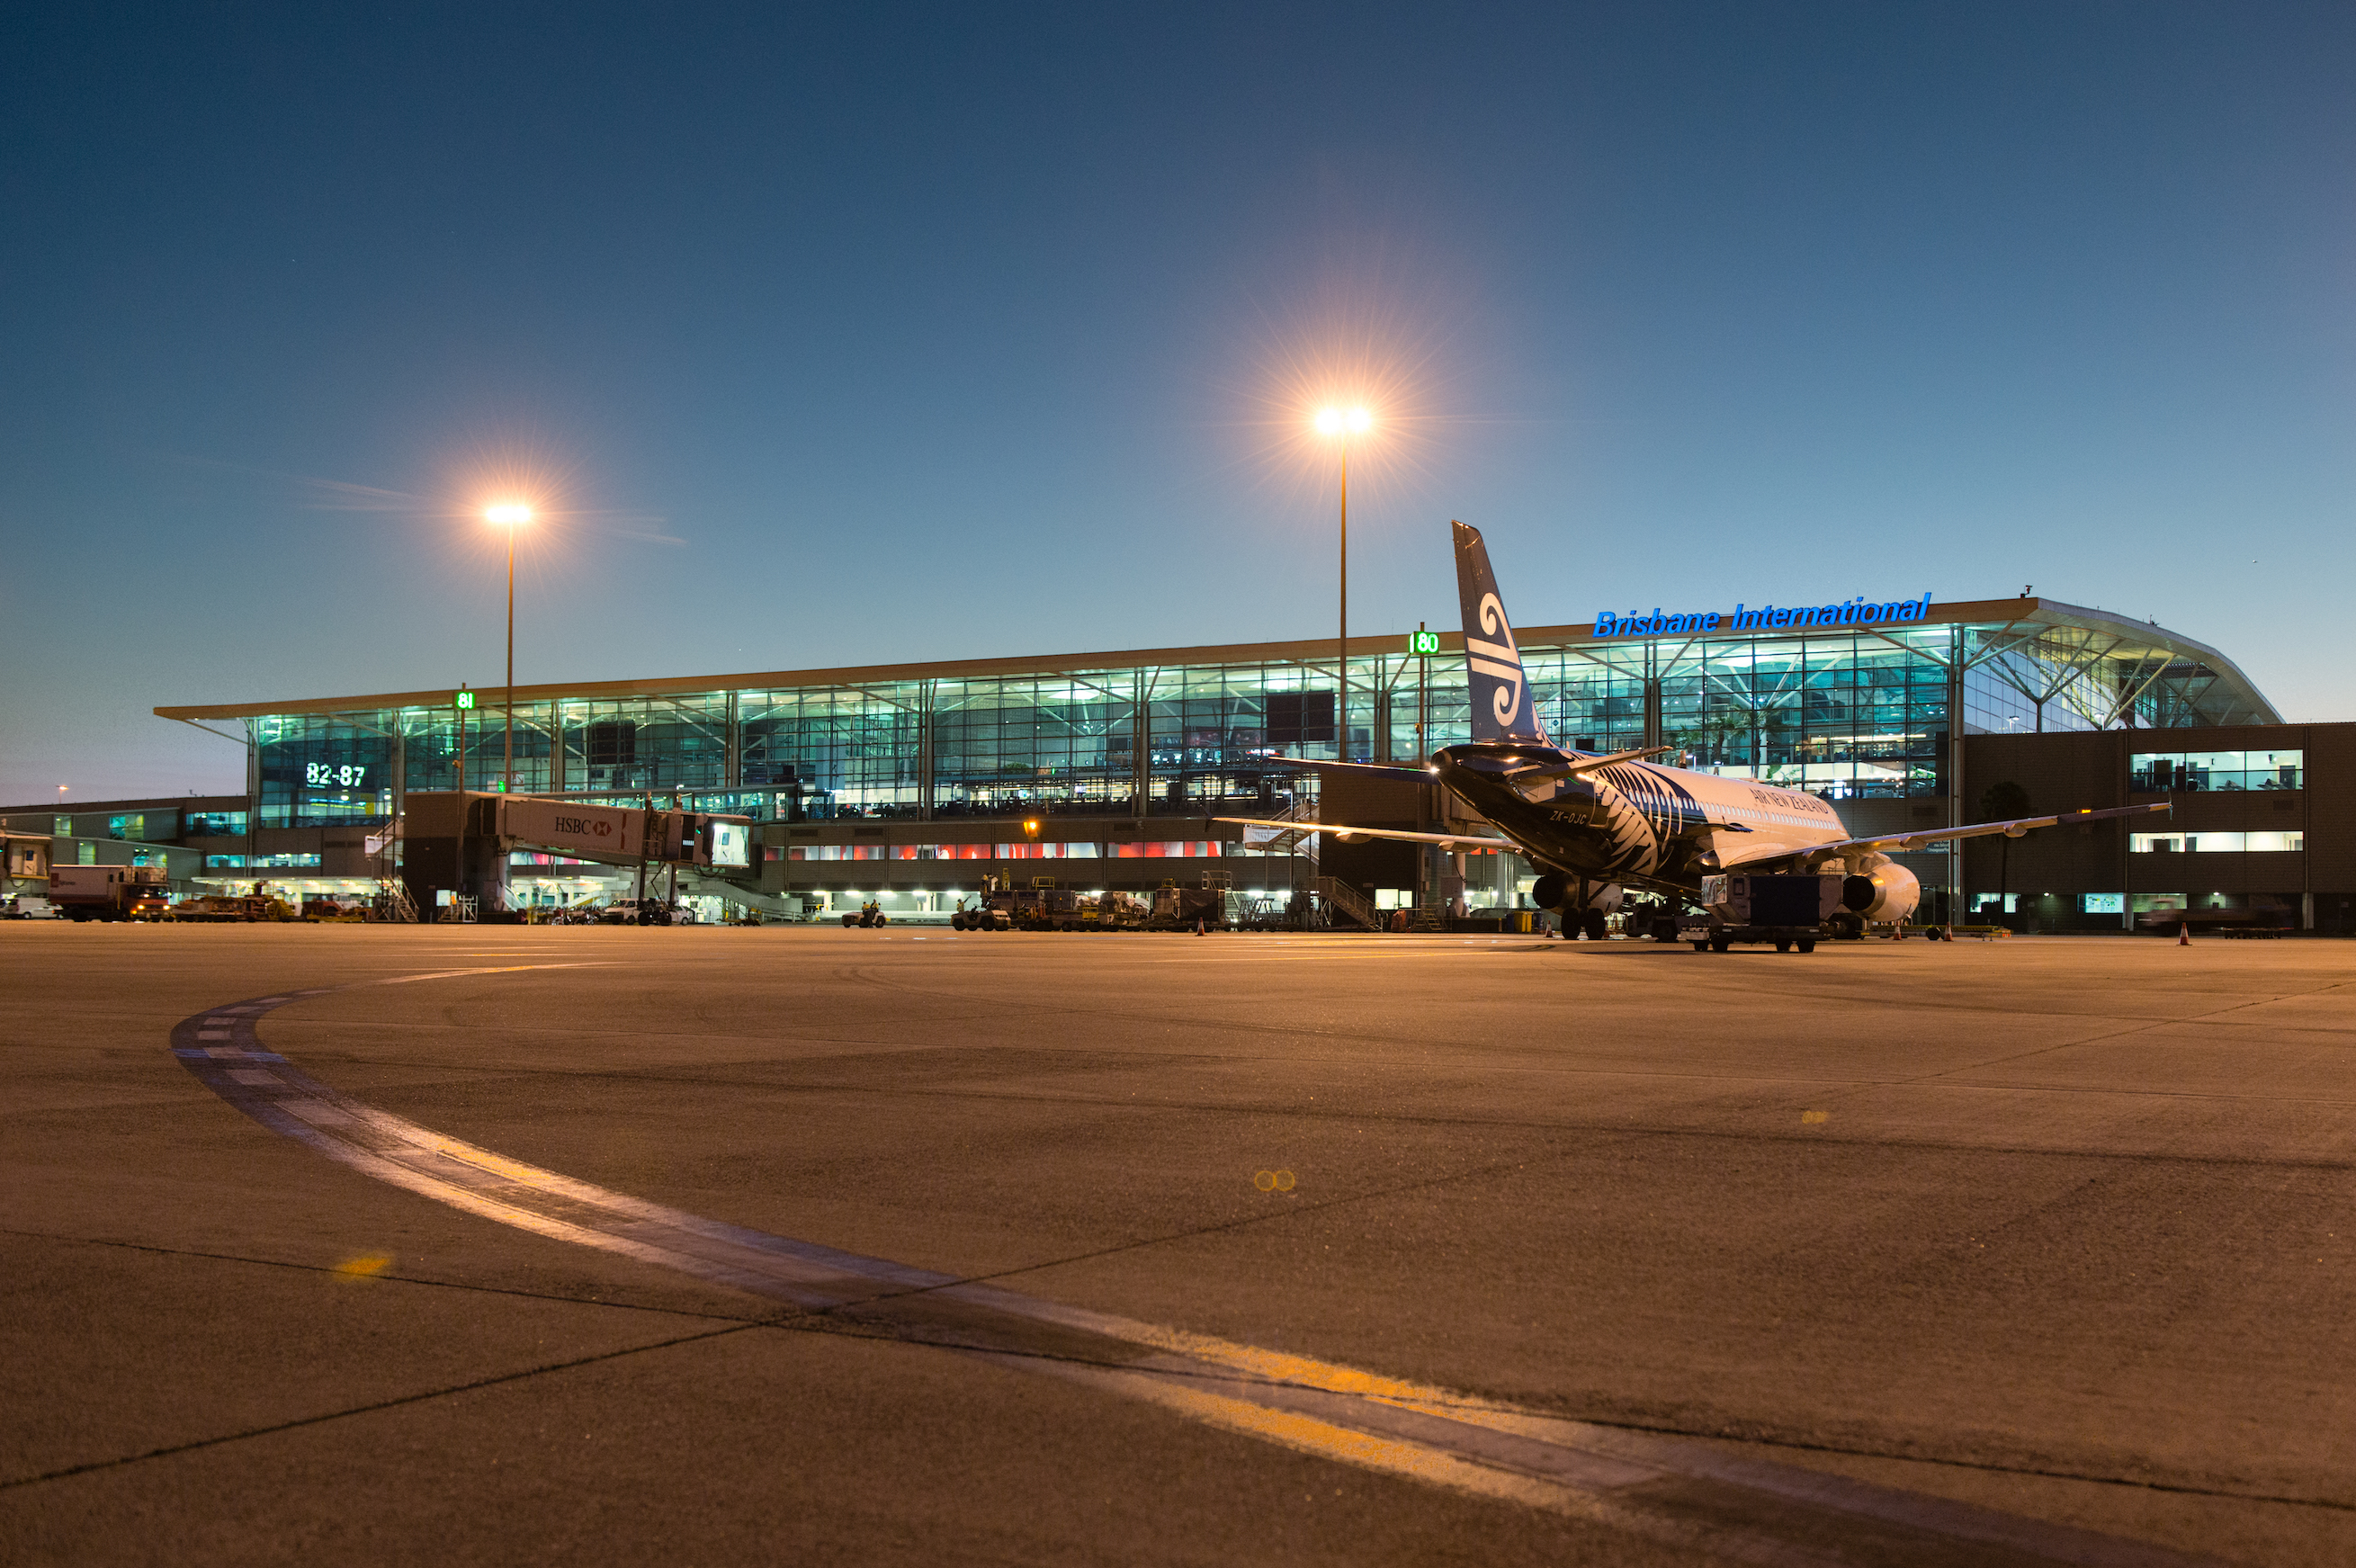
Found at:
(927, 730)
(1956, 900)
(1140, 758)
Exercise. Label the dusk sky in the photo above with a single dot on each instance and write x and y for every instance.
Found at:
(868, 335)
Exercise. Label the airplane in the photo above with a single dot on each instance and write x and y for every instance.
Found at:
(1596, 824)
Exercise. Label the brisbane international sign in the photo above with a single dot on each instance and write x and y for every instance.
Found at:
(1856, 612)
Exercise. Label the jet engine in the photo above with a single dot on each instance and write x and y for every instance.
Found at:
(1881, 889)
(1552, 890)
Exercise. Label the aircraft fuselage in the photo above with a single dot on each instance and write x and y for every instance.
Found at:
(1633, 823)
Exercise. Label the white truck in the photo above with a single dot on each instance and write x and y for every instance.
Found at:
(109, 892)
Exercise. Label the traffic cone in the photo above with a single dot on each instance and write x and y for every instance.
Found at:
(1198, 925)
(2184, 933)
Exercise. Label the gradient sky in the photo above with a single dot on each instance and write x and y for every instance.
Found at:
(864, 335)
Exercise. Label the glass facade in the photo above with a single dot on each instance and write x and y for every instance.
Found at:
(2276, 842)
(2186, 772)
(1840, 712)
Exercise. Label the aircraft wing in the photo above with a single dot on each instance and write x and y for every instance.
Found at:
(1548, 764)
(1348, 834)
(1899, 842)
(1363, 769)
(1538, 767)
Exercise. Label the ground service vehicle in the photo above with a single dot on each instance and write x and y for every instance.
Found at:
(1177, 909)
(230, 907)
(28, 907)
(1791, 911)
(983, 914)
(1044, 907)
(642, 912)
(109, 892)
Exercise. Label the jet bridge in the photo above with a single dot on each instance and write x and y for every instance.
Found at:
(628, 835)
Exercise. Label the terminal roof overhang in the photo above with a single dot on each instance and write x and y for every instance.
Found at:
(2129, 639)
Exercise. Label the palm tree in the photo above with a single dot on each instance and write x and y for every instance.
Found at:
(2002, 803)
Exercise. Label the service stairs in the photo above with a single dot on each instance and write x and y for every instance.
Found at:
(394, 904)
(1304, 812)
(1348, 901)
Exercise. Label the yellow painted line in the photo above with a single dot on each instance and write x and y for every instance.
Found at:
(1323, 1439)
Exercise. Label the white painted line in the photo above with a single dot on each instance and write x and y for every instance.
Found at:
(317, 1111)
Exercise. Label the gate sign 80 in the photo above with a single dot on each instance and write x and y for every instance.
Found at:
(329, 775)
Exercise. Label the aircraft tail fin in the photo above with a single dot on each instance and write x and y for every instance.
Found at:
(1501, 705)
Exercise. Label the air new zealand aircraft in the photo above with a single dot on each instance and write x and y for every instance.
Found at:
(1595, 824)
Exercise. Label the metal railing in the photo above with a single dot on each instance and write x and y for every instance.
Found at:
(1345, 900)
(393, 902)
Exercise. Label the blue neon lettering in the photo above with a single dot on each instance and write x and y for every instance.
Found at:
(1855, 611)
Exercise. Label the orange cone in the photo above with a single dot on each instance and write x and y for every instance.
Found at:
(2184, 933)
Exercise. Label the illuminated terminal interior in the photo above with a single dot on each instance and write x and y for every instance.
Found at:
(1127, 756)
(1847, 713)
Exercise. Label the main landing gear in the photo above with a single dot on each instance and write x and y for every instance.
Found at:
(1552, 891)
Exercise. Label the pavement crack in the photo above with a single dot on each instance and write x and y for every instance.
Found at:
(1985, 1466)
(1293, 1211)
(387, 1278)
(2143, 1028)
(423, 1397)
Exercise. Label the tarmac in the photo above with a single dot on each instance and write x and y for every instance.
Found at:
(497, 1244)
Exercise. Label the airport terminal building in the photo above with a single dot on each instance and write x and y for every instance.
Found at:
(866, 780)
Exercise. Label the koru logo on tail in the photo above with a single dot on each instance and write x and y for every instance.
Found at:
(1502, 660)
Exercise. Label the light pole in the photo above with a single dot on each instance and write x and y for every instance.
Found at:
(1343, 424)
(511, 517)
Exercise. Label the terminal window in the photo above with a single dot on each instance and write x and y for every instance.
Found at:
(2215, 843)
(2174, 772)
(1296, 719)
(613, 744)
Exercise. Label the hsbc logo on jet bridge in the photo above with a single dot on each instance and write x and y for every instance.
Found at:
(565, 824)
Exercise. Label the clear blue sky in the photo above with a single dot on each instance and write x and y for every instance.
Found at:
(862, 334)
